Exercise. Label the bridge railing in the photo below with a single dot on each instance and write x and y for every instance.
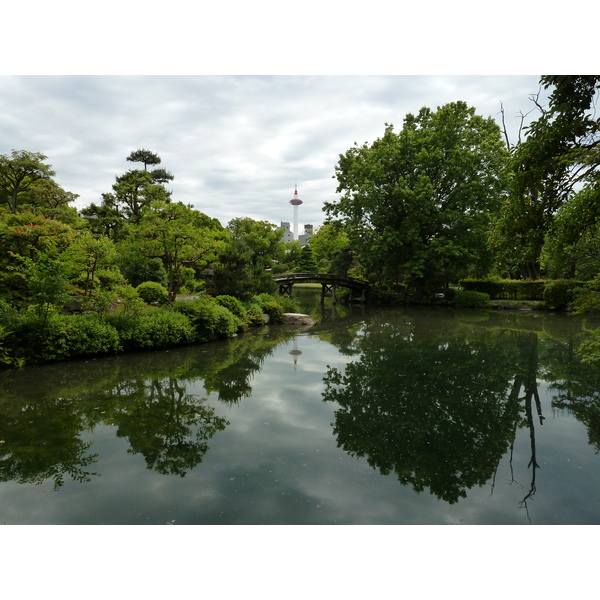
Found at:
(326, 278)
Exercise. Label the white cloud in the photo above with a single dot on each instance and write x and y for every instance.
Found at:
(236, 144)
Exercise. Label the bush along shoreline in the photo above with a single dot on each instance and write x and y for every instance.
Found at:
(140, 320)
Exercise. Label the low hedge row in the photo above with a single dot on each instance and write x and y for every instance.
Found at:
(508, 289)
(555, 293)
(471, 299)
(42, 336)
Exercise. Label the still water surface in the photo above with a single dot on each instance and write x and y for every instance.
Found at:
(372, 416)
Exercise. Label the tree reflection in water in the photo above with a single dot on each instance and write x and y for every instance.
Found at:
(145, 396)
(438, 407)
(168, 426)
(40, 440)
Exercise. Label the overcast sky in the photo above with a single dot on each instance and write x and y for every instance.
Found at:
(88, 95)
(235, 144)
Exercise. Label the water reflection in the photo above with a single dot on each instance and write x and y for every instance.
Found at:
(40, 440)
(439, 406)
(144, 396)
(441, 403)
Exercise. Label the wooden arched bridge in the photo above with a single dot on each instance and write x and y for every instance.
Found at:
(329, 284)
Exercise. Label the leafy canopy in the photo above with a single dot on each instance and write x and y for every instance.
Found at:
(416, 204)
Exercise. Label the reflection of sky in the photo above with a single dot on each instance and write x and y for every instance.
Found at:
(278, 462)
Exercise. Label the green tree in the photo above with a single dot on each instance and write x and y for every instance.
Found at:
(88, 256)
(555, 182)
(331, 249)
(49, 199)
(131, 192)
(19, 171)
(289, 260)
(26, 236)
(307, 263)
(416, 204)
(134, 190)
(147, 157)
(244, 263)
(178, 235)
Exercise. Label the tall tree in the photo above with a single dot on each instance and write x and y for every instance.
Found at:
(416, 204)
(132, 191)
(307, 263)
(559, 158)
(148, 157)
(19, 171)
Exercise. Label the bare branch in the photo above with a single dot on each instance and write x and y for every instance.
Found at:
(535, 99)
(504, 127)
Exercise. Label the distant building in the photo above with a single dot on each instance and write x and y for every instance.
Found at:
(308, 233)
(288, 234)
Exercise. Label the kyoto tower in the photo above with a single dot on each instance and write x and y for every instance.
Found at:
(296, 202)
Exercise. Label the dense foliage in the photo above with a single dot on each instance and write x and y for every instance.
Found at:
(442, 208)
(109, 280)
(416, 204)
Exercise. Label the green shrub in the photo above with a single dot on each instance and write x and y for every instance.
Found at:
(130, 303)
(6, 357)
(233, 305)
(559, 294)
(7, 313)
(471, 299)
(270, 306)
(254, 315)
(63, 336)
(158, 328)
(88, 334)
(152, 292)
(210, 320)
(288, 305)
(585, 300)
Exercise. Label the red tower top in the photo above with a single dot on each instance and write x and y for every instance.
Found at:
(295, 201)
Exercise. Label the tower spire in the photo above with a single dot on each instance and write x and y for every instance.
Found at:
(295, 202)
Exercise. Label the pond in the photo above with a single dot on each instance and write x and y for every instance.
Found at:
(372, 416)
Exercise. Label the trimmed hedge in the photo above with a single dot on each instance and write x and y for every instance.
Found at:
(511, 289)
(471, 299)
(494, 288)
(160, 328)
(152, 292)
(233, 305)
(60, 337)
(209, 319)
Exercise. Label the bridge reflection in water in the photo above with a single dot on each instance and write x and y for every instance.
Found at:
(329, 284)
